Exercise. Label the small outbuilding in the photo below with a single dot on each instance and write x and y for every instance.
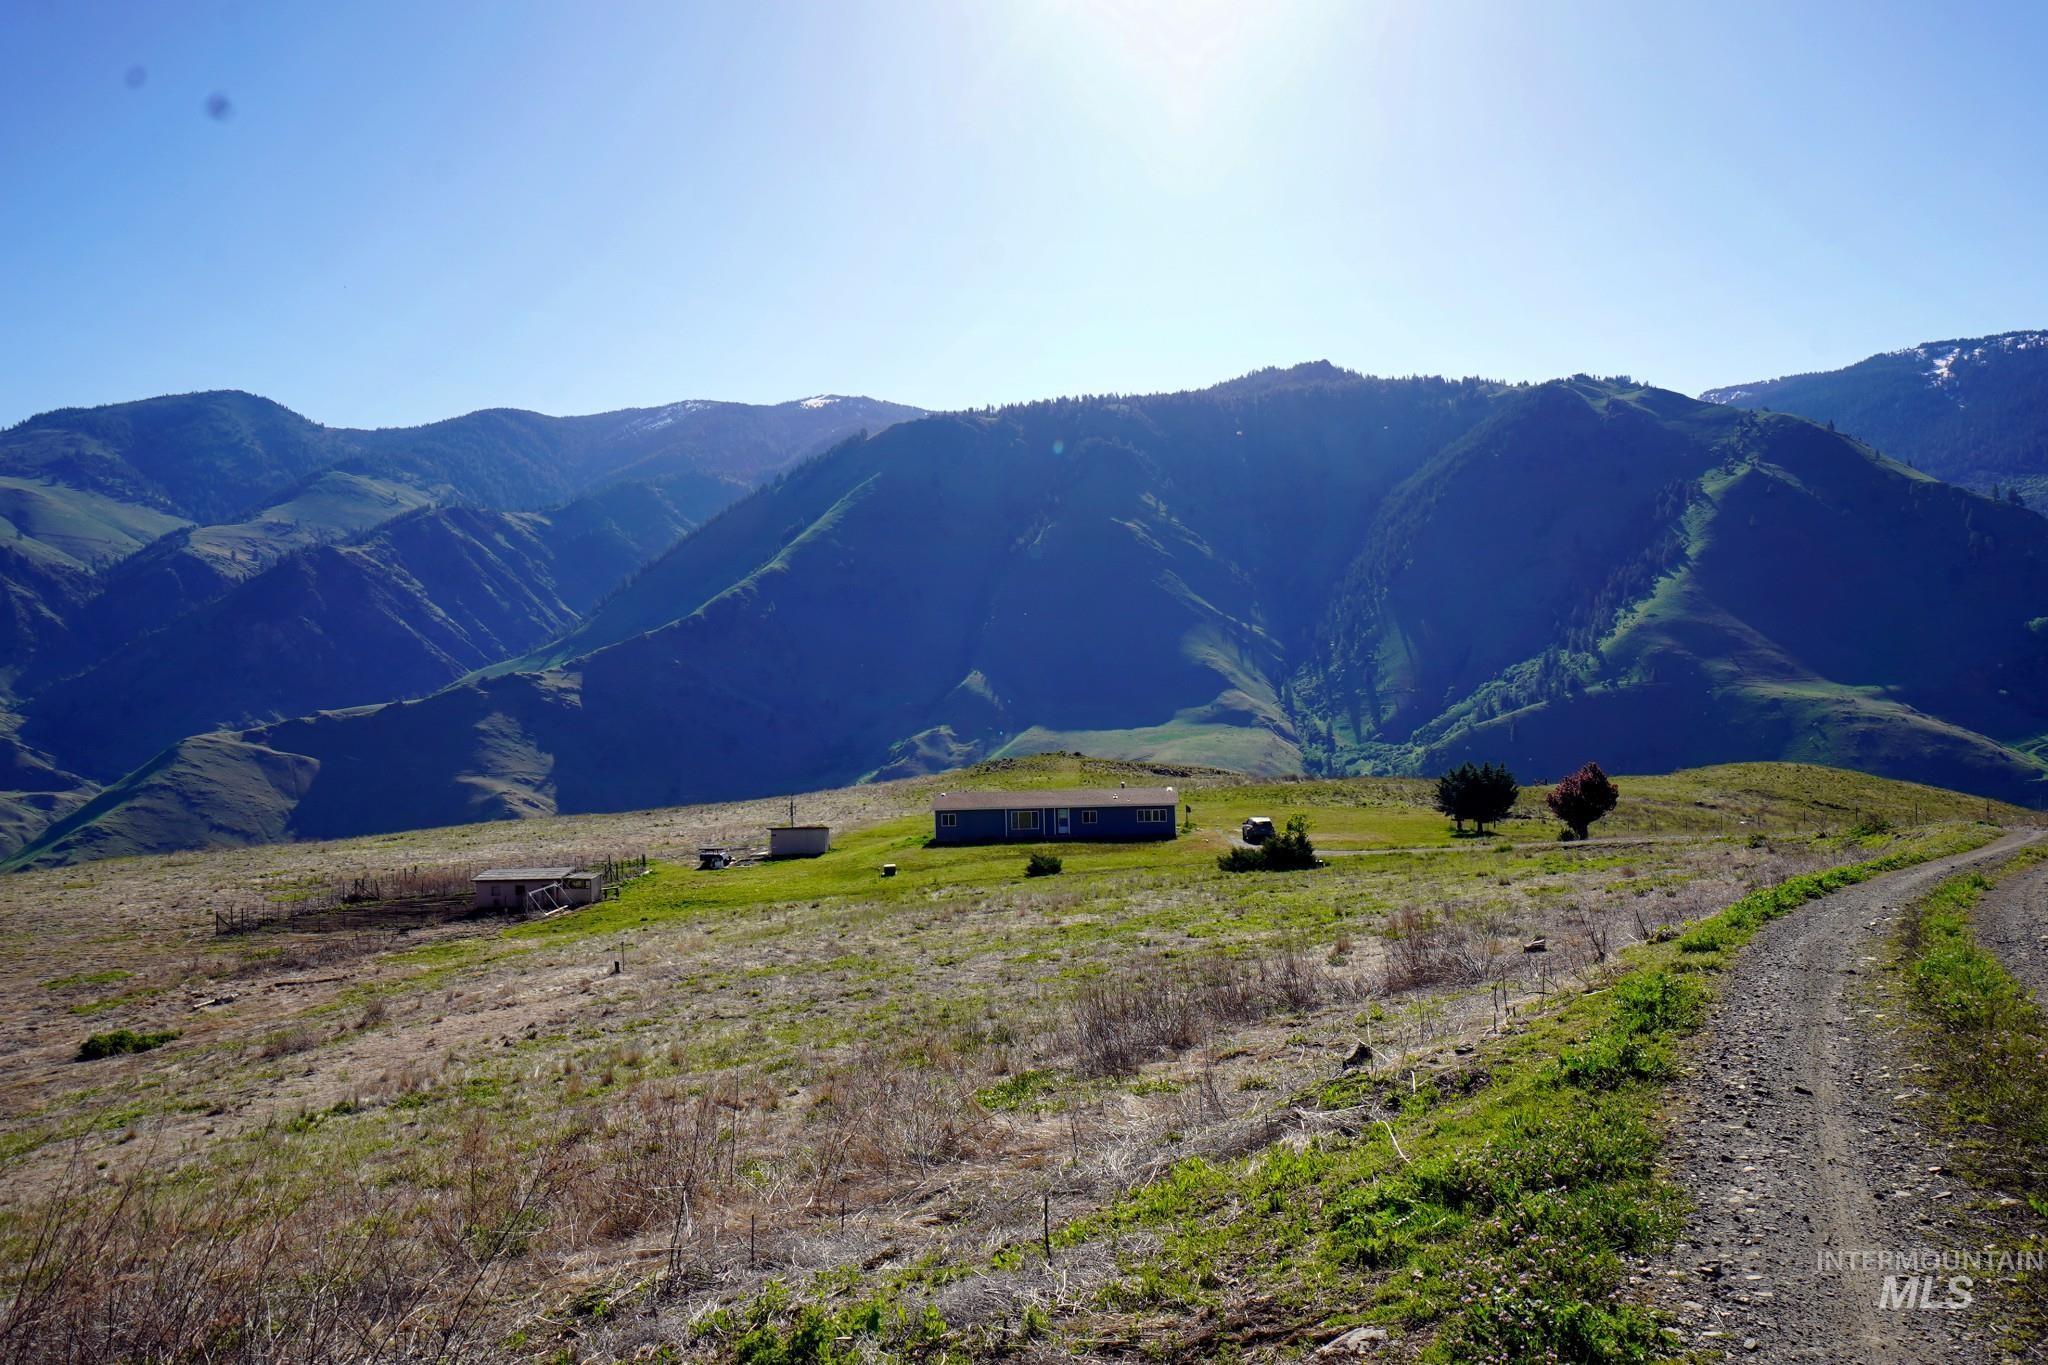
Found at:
(799, 841)
(1109, 814)
(534, 888)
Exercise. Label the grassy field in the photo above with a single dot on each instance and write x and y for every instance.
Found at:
(800, 1098)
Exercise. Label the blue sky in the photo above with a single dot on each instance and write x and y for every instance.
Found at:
(415, 210)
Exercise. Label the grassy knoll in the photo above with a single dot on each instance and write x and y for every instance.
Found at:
(1357, 813)
(1986, 1041)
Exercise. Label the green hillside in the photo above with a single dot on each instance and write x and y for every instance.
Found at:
(419, 603)
(1627, 572)
(177, 564)
(1302, 571)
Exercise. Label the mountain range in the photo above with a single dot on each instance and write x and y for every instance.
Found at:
(1303, 570)
(1973, 411)
(173, 565)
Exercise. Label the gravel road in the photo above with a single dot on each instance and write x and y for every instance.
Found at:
(1797, 1143)
(2012, 921)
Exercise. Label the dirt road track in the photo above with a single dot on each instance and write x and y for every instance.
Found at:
(1796, 1138)
(2012, 922)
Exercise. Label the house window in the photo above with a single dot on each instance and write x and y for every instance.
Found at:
(1152, 815)
(1087, 817)
(948, 819)
(1022, 820)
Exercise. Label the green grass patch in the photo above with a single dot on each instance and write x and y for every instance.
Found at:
(104, 978)
(1026, 1091)
(114, 1002)
(122, 1041)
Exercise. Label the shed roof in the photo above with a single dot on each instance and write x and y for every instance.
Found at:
(523, 874)
(1048, 798)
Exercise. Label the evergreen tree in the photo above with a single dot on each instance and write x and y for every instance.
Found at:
(1484, 794)
(1451, 793)
(1493, 795)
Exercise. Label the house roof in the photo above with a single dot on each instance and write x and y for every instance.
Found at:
(1048, 799)
(523, 874)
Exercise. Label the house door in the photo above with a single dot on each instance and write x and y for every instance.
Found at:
(1065, 825)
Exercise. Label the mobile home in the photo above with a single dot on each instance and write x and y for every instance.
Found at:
(1108, 814)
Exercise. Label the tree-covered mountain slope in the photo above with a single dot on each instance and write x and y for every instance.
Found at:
(1305, 570)
(423, 601)
(1661, 578)
(173, 501)
(1973, 411)
(179, 563)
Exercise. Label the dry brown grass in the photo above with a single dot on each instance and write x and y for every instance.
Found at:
(1158, 1008)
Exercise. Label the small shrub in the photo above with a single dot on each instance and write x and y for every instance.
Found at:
(285, 1042)
(1043, 865)
(121, 1041)
(1429, 948)
(1287, 851)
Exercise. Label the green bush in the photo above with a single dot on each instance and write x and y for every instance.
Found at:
(1043, 865)
(1287, 851)
(121, 1041)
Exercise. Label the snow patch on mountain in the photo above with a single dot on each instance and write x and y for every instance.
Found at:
(1942, 357)
(663, 417)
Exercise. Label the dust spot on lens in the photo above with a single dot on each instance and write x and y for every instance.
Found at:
(219, 107)
(135, 76)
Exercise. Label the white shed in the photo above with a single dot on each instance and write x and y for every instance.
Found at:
(534, 888)
(799, 841)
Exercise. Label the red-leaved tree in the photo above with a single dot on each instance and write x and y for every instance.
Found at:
(1582, 798)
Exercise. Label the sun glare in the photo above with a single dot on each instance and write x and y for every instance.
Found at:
(1182, 54)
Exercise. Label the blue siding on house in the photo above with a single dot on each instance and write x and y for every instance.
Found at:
(1111, 824)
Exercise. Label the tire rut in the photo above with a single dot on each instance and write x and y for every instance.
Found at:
(1797, 1144)
(2012, 924)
